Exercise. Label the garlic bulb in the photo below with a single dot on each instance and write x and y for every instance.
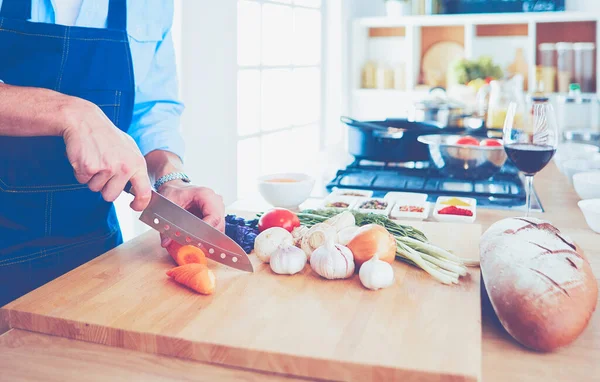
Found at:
(346, 234)
(376, 274)
(341, 220)
(268, 241)
(332, 261)
(298, 233)
(288, 260)
(317, 236)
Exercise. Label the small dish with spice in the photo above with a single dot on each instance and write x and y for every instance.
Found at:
(410, 210)
(454, 209)
(339, 202)
(352, 193)
(378, 206)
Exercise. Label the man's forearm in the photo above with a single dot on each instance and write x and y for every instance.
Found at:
(30, 112)
(161, 163)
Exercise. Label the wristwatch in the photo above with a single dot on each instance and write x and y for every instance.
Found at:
(169, 177)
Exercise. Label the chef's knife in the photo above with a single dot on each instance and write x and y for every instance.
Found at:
(185, 228)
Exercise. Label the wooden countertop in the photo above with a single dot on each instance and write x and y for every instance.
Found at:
(503, 359)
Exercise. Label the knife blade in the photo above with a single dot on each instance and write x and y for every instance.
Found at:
(185, 228)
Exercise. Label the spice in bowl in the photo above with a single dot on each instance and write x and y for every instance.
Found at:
(374, 205)
(337, 205)
(456, 202)
(454, 210)
(352, 193)
(414, 209)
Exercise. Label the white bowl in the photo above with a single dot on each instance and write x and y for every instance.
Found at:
(591, 212)
(587, 184)
(576, 166)
(572, 150)
(286, 190)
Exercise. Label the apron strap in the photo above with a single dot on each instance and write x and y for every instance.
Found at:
(117, 15)
(16, 9)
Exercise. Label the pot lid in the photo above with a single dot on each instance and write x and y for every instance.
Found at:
(438, 99)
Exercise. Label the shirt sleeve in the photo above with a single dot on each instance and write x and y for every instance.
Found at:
(157, 111)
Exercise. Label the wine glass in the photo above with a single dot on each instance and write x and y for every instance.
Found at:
(531, 139)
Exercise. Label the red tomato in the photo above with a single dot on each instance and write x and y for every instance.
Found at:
(467, 141)
(490, 143)
(279, 217)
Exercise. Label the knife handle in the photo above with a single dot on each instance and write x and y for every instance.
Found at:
(128, 188)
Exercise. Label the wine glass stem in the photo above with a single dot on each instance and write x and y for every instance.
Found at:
(529, 181)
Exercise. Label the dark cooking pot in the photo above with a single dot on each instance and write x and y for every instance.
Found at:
(391, 140)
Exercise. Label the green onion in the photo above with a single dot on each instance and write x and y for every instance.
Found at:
(413, 247)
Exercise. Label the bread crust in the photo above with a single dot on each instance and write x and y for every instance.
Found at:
(539, 284)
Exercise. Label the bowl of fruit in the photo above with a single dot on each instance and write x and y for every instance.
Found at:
(465, 157)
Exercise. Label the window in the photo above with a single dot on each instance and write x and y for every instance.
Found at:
(279, 87)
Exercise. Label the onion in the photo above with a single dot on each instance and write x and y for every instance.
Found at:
(372, 239)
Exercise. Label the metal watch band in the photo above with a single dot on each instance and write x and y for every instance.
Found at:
(169, 177)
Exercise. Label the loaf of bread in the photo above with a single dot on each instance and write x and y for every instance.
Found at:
(541, 288)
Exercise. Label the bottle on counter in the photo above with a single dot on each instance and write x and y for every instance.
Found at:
(575, 111)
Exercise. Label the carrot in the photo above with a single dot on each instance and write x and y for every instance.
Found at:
(186, 254)
(195, 276)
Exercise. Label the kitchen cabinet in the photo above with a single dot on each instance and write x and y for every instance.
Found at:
(511, 39)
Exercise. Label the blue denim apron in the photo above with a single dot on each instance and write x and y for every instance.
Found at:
(49, 223)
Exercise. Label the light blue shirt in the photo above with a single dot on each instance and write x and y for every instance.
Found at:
(156, 115)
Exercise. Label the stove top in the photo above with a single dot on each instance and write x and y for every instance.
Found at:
(505, 190)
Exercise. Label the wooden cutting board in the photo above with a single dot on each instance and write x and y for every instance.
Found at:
(300, 325)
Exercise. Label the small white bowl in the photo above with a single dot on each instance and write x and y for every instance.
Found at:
(576, 166)
(352, 193)
(440, 204)
(286, 190)
(572, 150)
(395, 213)
(591, 212)
(385, 212)
(587, 184)
(349, 200)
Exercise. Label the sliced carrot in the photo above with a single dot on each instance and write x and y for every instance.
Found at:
(195, 276)
(186, 254)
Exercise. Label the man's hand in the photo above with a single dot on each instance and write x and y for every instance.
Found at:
(201, 201)
(104, 157)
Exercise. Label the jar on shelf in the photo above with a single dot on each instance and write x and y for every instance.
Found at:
(369, 76)
(584, 53)
(385, 77)
(565, 65)
(547, 69)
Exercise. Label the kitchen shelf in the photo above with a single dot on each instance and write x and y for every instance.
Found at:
(510, 38)
(476, 19)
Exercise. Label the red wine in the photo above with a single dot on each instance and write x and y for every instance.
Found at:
(529, 158)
